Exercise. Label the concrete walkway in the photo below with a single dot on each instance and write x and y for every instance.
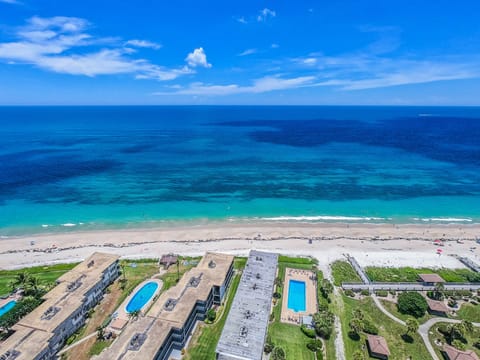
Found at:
(422, 329)
(64, 350)
(386, 312)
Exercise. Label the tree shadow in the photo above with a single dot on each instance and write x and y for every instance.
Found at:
(354, 336)
(407, 338)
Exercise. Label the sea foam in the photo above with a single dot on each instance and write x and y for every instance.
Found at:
(324, 218)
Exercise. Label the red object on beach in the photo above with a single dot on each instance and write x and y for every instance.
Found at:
(439, 250)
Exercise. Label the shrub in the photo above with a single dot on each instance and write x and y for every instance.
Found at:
(458, 344)
(315, 345)
(277, 295)
(381, 293)
(278, 353)
(268, 345)
(272, 316)
(365, 292)
(324, 323)
(268, 348)
(319, 355)
(349, 292)
(412, 303)
(309, 332)
(369, 327)
(443, 329)
(211, 315)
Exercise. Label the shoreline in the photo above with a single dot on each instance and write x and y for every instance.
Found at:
(387, 244)
(11, 232)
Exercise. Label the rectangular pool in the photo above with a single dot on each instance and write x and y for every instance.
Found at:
(296, 295)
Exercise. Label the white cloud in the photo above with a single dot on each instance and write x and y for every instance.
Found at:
(309, 61)
(60, 44)
(261, 85)
(366, 71)
(265, 14)
(16, 2)
(274, 46)
(143, 44)
(197, 58)
(242, 20)
(248, 52)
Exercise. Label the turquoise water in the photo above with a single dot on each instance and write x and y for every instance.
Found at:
(141, 297)
(296, 296)
(7, 307)
(82, 168)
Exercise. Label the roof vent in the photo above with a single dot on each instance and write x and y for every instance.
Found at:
(243, 331)
(170, 304)
(50, 313)
(212, 264)
(137, 341)
(10, 355)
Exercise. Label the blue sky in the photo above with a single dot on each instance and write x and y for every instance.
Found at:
(243, 52)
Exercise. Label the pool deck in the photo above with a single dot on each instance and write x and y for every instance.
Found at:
(13, 296)
(307, 276)
(121, 317)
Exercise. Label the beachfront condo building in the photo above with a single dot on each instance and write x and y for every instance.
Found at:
(42, 333)
(244, 333)
(167, 325)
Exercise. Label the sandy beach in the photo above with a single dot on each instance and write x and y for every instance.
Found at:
(387, 245)
(379, 245)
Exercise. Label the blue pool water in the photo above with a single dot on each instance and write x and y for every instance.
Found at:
(7, 307)
(296, 295)
(142, 297)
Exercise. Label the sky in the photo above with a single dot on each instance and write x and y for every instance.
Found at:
(343, 52)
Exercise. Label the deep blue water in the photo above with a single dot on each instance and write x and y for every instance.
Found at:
(96, 167)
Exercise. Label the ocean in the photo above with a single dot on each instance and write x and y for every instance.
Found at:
(82, 168)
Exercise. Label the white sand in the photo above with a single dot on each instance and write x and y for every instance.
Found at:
(386, 245)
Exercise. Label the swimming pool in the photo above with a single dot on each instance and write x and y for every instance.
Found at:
(142, 297)
(7, 307)
(296, 295)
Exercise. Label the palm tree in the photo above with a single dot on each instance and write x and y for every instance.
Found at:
(33, 282)
(356, 325)
(100, 333)
(21, 279)
(358, 314)
(438, 292)
(457, 331)
(467, 325)
(134, 314)
(412, 326)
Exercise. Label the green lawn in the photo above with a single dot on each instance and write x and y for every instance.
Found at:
(342, 271)
(392, 308)
(99, 346)
(389, 329)
(45, 274)
(409, 274)
(469, 312)
(206, 336)
(292, 340)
